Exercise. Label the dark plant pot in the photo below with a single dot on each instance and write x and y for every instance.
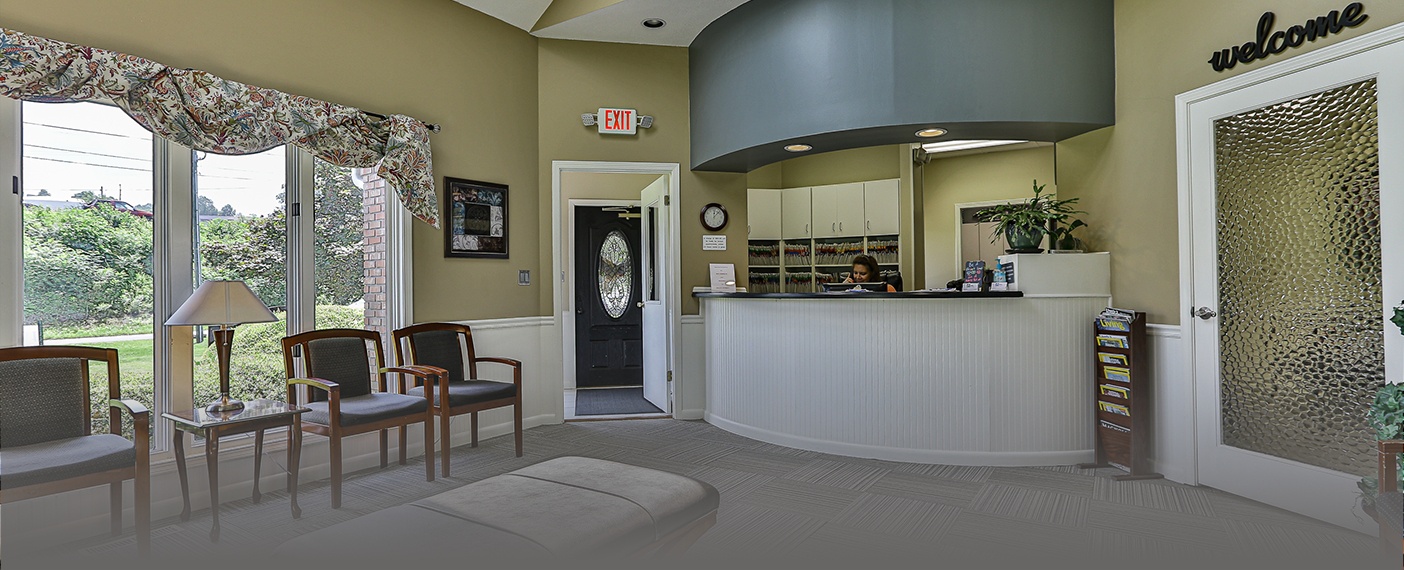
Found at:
(1023, 240)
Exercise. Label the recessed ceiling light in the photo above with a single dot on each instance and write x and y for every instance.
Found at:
(654, 23)
(798, 147)
(930, 133)
(951, 146)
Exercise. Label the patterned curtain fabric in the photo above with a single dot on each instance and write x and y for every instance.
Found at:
(207, 113)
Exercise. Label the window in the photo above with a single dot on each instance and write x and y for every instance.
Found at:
(319, 246)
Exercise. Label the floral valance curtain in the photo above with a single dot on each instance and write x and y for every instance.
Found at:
(207, 113)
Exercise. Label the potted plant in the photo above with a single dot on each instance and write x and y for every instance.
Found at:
(1025, 223)
(1060, 238)
(1387, 417)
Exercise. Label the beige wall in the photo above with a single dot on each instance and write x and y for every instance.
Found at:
(983, 177)
(580, 77)
(423, 58)
(837, 167)
(1125, 174)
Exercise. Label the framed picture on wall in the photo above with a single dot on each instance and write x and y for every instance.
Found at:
(477, 218)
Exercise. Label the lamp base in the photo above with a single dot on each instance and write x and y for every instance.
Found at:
(224, 404)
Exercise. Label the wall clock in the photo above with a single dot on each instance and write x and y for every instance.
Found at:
(714, 217)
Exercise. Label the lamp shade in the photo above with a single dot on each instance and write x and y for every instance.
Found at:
(221, 303)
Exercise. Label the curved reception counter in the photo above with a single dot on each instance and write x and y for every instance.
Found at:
(996, 379)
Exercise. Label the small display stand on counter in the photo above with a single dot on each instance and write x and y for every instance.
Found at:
(1123, 406)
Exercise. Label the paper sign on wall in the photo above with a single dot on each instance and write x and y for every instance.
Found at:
(723, 277)
(714, 243)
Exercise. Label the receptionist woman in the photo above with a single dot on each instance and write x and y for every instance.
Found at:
(865, 270)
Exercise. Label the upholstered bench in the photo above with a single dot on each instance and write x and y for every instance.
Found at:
(568, 506)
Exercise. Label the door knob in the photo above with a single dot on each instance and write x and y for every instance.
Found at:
(1205, 313)
(639, 304)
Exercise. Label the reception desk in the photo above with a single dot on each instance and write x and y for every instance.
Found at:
(998, 379)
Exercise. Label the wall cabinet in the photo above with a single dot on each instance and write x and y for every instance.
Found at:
(880, 206)
(837, 210)
(801, 237)
(763, 214)
(794, 213)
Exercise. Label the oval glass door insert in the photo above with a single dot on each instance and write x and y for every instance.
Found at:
(616, 271)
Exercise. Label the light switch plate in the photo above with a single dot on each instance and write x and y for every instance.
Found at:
(524, 277)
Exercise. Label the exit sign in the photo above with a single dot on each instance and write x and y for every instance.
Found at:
(618, 121)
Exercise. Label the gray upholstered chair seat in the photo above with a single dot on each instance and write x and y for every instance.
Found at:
(64, 459)
(366, 408)
(565, 506)
(471, 392)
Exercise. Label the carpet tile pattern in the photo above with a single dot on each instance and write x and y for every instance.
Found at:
(783, 507)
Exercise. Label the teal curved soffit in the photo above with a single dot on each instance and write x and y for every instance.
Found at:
(839, 74)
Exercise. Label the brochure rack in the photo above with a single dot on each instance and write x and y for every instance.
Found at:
(1122, 410)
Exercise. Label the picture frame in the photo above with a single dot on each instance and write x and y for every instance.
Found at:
(475, 215)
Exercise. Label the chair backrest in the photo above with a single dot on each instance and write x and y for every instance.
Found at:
(438, 344)
(44, 392)
(338, 355)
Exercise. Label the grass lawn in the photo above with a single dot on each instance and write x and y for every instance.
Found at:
(107, 328)
(139, 356)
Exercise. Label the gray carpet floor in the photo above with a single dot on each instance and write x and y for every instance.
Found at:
(609, 401)
(783, 507)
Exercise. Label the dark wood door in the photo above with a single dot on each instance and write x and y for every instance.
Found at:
(608, 298)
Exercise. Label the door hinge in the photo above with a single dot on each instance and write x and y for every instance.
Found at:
(667, 199)
(296, 209)
(670, 376)
(14, 184)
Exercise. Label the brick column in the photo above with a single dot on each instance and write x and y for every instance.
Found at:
(374, 212)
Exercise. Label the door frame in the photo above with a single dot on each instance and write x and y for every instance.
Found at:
(570, 269)
(562, 298)
(1189, 182)
(960, 241)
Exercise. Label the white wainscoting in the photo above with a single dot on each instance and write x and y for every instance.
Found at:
(955, 381)
(1174, 455)
(70, 516)
(690, 398)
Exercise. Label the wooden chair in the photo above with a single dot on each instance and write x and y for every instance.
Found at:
(442, 346)
(47, 444)
(343, 402)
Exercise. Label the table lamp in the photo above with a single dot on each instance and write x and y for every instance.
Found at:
(227, 304)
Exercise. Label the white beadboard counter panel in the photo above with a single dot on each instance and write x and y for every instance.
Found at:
(998, 382)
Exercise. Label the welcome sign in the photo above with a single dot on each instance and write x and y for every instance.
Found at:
(1269, 42)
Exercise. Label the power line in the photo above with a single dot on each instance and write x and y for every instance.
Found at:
(90, 164)
(29, 146)
(75, 129)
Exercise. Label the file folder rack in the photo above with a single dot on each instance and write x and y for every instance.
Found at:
(1122, 409)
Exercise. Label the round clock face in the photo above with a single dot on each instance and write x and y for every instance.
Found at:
(714, 217)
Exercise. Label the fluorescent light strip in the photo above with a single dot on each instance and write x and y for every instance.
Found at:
(951, 146)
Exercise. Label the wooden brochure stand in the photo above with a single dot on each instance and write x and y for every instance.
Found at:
(1122, 410)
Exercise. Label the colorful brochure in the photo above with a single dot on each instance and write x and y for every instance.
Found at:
(1111, 340)
(1116, 373)
(1113, 325)
(1111, 408)
(1108, 358)
(1115, 391)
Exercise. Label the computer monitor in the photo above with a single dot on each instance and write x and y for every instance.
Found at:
(830, 287)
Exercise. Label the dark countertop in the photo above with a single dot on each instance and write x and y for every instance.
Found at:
(869, 295)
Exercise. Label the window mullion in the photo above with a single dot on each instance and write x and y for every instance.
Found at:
(301, 269)
(173, 199)
(11, 227)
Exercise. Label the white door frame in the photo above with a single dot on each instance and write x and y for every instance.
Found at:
(1190, 181)
(562, 298)
(569, 252)
(960, 241)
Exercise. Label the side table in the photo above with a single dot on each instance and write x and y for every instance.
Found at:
(257, 416)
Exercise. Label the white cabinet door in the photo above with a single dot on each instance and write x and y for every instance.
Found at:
(823, 206)
(880, 207)
(763, 211)
(794, 213)
(848, 210)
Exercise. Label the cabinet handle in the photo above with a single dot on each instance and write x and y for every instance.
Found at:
(831, 227)
(868, 225)
(840, 226)
(748, 229)
(806, 229)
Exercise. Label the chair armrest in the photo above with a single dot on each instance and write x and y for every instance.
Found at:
(417, 370)
(515, 364)
(132, 407)
(324, 385)
(429, 375)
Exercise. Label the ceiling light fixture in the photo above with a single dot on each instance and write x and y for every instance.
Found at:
(952, 146)
(654, 23)
(930, 133)
(798, 147)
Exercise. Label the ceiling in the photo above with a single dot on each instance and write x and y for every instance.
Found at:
(616, 21)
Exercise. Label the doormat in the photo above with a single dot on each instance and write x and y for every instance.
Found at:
(611, 401)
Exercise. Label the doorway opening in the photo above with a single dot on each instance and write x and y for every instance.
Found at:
(615, 255)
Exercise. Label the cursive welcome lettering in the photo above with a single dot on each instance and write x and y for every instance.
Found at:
(1269, 42)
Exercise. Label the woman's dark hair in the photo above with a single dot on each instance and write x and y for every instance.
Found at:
(873, 273)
